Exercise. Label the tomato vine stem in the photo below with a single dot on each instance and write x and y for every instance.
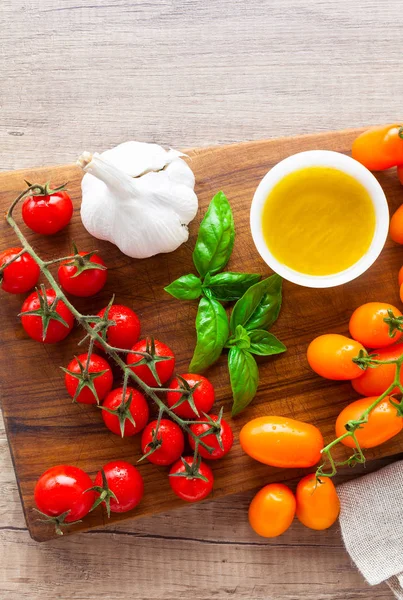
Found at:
(85, 322)
(353, 425)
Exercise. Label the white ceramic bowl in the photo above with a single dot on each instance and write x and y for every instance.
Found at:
(325, 158)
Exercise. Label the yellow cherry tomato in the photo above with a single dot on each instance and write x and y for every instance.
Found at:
(376, 324)
(383, 422)
(282, 442)
(318, 504)
(272, 510)
(331, 356)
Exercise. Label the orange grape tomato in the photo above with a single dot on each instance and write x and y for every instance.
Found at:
(401, 292)
(282, 442)
(400, 173)
(318, 504)
(379, 148)
(375, 381)
(396, 226)
(331, 356)
(400, 277)
(372, 325)
(272, 510)
(383, 422)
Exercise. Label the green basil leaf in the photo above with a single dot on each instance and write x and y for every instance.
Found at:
(244, 377)
(230, 286)
(264, 343)
(216, 237)
(212, 333)
(260, 305)
(187, 287)
(240, 339)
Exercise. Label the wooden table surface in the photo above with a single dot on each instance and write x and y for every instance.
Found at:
(87, 74)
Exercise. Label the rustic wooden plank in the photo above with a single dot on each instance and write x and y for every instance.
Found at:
(185, 74)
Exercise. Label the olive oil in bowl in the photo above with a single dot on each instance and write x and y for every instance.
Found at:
(319, 218)
(318, 221)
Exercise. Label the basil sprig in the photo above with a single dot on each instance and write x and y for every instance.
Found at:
(257, 308)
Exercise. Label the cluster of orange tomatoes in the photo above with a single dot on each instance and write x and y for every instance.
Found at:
(376, 330)
(375, 327)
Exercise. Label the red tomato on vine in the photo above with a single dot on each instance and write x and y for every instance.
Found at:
(125, 416)
(155, 363)
(49, 211)
(83, 276)
(21, 275)
(124, 331)
(62, 494)
(164, 445)
(220, 438)
(191, 481)
(88, 387)
(45, 319)
(121, 486)
(195, 395)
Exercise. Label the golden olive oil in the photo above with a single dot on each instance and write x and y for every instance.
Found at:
(318, 221)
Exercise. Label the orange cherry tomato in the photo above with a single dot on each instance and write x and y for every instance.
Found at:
(383, 422)
(272, 510)
(400, 277)
(401, 292)
(331, 356)
(282, 442)
(374, 326)
(396, 226)
(373, 382)
(379, 148)
(318, 504)
(400, 173)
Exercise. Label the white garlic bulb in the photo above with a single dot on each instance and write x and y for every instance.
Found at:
(139, 197)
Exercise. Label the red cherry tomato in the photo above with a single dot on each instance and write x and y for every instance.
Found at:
(87, 283)
(373, 382)
(222, 432)
(188, 486)
(100, 377)
(134, 408)
(21, 275)
(168, 443)
(47, 214)
(125, 482)
(126, 331)
(201, 393)
(164, 367)
(33, 324)
(63, 489)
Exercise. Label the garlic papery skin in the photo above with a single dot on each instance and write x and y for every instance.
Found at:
(138, 196)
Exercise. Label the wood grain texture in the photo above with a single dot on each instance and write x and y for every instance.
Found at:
(44, 426)
(185, 74)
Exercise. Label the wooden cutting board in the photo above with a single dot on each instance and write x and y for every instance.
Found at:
(45, 429)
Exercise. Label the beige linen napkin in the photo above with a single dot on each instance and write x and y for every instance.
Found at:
(371, 520)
